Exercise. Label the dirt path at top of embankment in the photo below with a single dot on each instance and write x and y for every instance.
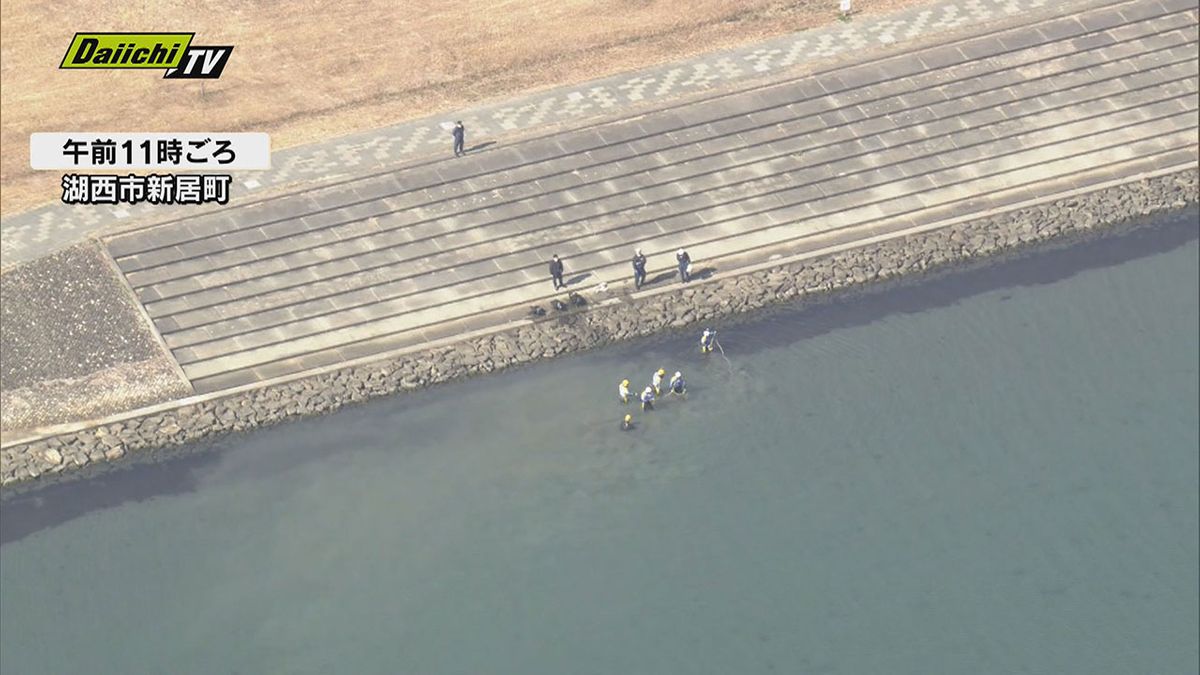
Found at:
(304, 72)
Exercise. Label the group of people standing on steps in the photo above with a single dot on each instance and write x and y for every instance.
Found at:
(682, 260)
(557, 269)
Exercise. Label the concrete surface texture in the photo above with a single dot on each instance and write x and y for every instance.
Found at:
(75, 344)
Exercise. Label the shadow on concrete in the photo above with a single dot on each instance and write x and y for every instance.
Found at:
(478, 146)
(659, 278)
(578, 278)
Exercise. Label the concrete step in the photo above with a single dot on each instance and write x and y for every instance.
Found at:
(904, 165)
(763, 160)
(727, 261)
(865, 187)
(448, 304)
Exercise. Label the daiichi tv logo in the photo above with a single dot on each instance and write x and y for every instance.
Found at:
(172, 52)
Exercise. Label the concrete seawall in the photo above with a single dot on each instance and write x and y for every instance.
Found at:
(834, 267)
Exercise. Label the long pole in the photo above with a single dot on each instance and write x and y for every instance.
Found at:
(727, 361)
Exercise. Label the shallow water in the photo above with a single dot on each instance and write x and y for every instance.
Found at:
(993, 472)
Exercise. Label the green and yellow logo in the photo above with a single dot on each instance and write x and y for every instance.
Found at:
(127, 50)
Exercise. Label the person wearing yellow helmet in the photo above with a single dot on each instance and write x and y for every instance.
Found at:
(623, 391)
(656, 381)
(627, 423)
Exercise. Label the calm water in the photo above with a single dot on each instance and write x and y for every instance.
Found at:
(992, 473)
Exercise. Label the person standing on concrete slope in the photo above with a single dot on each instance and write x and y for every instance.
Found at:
(623, 391)
(639, 269)
(460, 138)
(685, 265)
(648, 398)
(556, 273)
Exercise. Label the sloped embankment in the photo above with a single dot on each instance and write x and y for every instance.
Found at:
(75, 345)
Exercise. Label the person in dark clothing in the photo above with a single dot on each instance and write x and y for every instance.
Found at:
(556, 272)
(685, 262)
(639, 269)
(460, 138)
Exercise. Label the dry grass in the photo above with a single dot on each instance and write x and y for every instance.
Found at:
(304, 71)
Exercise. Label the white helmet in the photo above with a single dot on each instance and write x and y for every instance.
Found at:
(678, 374)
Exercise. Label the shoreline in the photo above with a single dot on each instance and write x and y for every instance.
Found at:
(181, 470)
(985, 241)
